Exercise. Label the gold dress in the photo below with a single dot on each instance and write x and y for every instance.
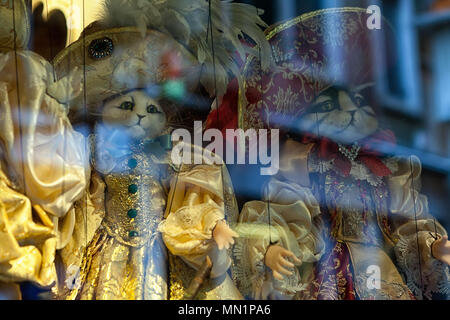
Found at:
(126, 257)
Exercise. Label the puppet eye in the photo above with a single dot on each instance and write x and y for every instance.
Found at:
(152, 109)
(326, 106)
(127, 105)
(359, 100)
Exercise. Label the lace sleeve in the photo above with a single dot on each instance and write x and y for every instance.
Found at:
(195, 205)
(416, 230)
(424, 274)
(292, 212)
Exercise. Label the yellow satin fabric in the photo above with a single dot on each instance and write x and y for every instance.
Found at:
(27, 247)
(195, 204)
(108, 269)
(42, 166)
(199, 196)
(42, 154)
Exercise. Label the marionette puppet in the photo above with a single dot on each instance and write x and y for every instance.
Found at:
(148, 224)
(340, 220)
(39, 179)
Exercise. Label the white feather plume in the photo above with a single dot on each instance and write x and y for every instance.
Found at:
(187, 22)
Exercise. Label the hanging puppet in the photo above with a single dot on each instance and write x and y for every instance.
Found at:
(39, 179)
(147, 224)
(340, 220)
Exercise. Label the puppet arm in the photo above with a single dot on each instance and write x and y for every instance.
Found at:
(291, 238)
(281, 231)
(194, 225)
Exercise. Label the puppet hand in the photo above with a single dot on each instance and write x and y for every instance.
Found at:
(223, 235)
(441, 250)
(276, 259)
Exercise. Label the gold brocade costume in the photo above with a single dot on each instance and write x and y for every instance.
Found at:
(127, 256)
(371, 223)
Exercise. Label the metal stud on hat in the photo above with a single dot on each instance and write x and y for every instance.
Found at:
(101, 48)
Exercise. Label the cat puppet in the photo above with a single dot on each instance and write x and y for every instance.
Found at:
(340, 220)
(147, 224)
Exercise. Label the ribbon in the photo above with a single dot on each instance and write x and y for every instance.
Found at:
(327, 149)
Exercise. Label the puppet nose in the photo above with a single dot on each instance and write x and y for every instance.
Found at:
(140, 118)
(346, 103)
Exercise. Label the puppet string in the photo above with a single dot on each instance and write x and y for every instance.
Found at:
(416, 223)
(19, 107)
(50, 41)
(210, 28)
(85, 123)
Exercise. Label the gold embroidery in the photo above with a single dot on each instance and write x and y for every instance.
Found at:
(148, 201)
(272, 31)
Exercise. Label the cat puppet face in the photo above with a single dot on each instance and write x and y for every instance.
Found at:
(340, 115)
(136, 114)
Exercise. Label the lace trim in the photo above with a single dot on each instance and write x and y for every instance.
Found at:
(248, 274)
(290, 285)
(435, 277)
(388, 291)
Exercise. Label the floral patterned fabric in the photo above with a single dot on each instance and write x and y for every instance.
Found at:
(333, 277)
(304, 65)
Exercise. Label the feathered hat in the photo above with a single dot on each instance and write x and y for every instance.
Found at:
(13, 16)
(129, 46)
(312, 52)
